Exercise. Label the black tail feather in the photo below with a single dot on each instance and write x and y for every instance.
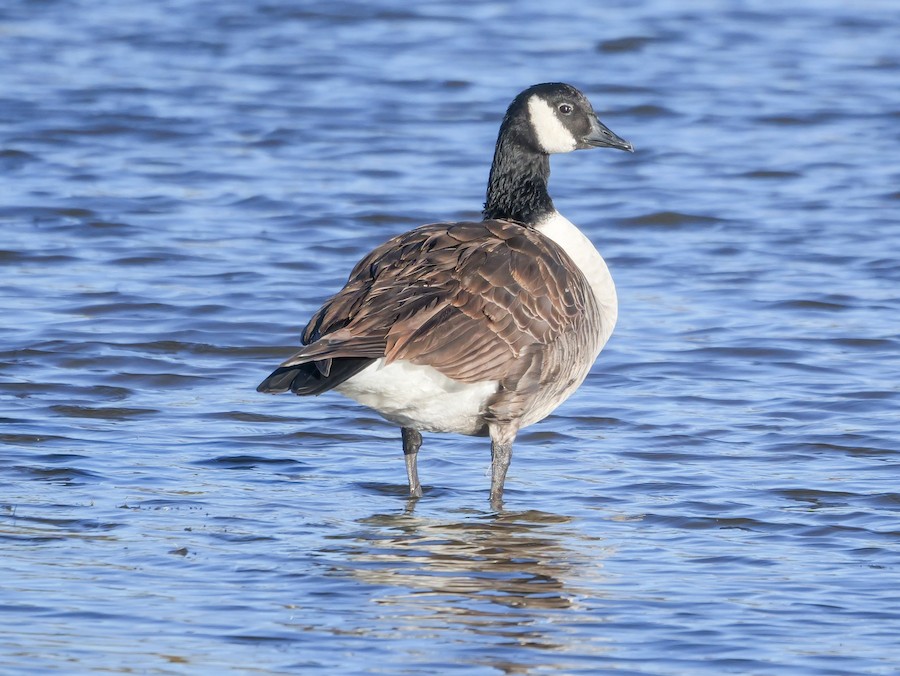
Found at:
(312, 378)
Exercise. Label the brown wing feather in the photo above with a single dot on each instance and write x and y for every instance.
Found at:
(463, 298)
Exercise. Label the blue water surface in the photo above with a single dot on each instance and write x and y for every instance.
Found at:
(185, 181)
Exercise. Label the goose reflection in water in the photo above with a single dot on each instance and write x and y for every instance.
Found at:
(501, 578)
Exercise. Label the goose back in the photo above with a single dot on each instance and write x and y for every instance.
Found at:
(477, 301)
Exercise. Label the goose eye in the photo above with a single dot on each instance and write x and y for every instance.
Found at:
(565, 108)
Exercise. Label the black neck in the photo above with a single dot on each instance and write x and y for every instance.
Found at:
(517, 187)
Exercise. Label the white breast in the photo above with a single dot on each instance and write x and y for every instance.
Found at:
(582, 251)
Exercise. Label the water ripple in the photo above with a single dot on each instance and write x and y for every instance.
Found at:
(183, 188)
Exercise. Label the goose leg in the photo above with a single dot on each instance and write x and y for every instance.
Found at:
(412, 441)
(501, 453)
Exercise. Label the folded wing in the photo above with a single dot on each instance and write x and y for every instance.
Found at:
(489, 300)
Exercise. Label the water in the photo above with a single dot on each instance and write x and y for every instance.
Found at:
(184, 182)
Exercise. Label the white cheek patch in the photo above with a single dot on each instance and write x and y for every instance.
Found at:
(552, 135)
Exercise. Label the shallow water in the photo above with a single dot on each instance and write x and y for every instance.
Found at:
(184, 183)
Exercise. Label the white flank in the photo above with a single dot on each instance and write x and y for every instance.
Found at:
(582, 251)
(551, 133)
(420, 396)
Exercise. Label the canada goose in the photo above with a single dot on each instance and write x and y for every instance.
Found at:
(477, 328)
